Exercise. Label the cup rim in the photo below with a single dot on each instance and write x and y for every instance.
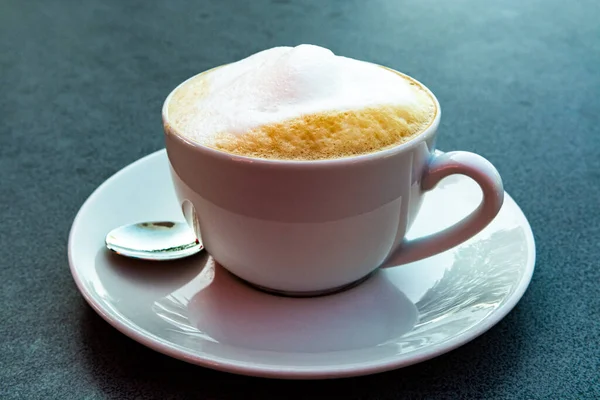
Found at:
(384, 153)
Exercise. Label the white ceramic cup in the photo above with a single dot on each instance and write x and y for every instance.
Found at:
(315, 227)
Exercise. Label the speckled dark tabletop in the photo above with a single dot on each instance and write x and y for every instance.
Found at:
(81, 86)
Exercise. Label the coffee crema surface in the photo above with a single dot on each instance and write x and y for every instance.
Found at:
(299, 103)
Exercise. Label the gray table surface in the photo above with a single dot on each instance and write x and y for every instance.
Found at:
(81, 86)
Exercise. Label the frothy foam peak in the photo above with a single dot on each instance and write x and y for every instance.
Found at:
(282, 84)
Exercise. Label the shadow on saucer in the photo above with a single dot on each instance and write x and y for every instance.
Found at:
(233, 313)
(146, 280)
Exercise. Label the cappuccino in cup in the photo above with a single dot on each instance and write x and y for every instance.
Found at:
(300, 103)
(302, 171)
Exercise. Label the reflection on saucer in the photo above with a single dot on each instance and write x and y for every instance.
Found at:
(233, 313)
(470, 289)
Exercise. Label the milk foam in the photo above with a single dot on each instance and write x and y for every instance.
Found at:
(272, 100)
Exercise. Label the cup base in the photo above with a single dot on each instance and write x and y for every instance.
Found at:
(305, 294)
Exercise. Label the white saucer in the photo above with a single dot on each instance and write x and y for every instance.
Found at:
(196, 311)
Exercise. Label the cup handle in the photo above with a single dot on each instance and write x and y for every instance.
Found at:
(440, 166)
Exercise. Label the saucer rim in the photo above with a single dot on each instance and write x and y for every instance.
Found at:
(156, 343)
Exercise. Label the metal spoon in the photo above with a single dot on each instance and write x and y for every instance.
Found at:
(155, 241)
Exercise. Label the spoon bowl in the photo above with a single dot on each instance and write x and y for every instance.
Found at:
(154, 241)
